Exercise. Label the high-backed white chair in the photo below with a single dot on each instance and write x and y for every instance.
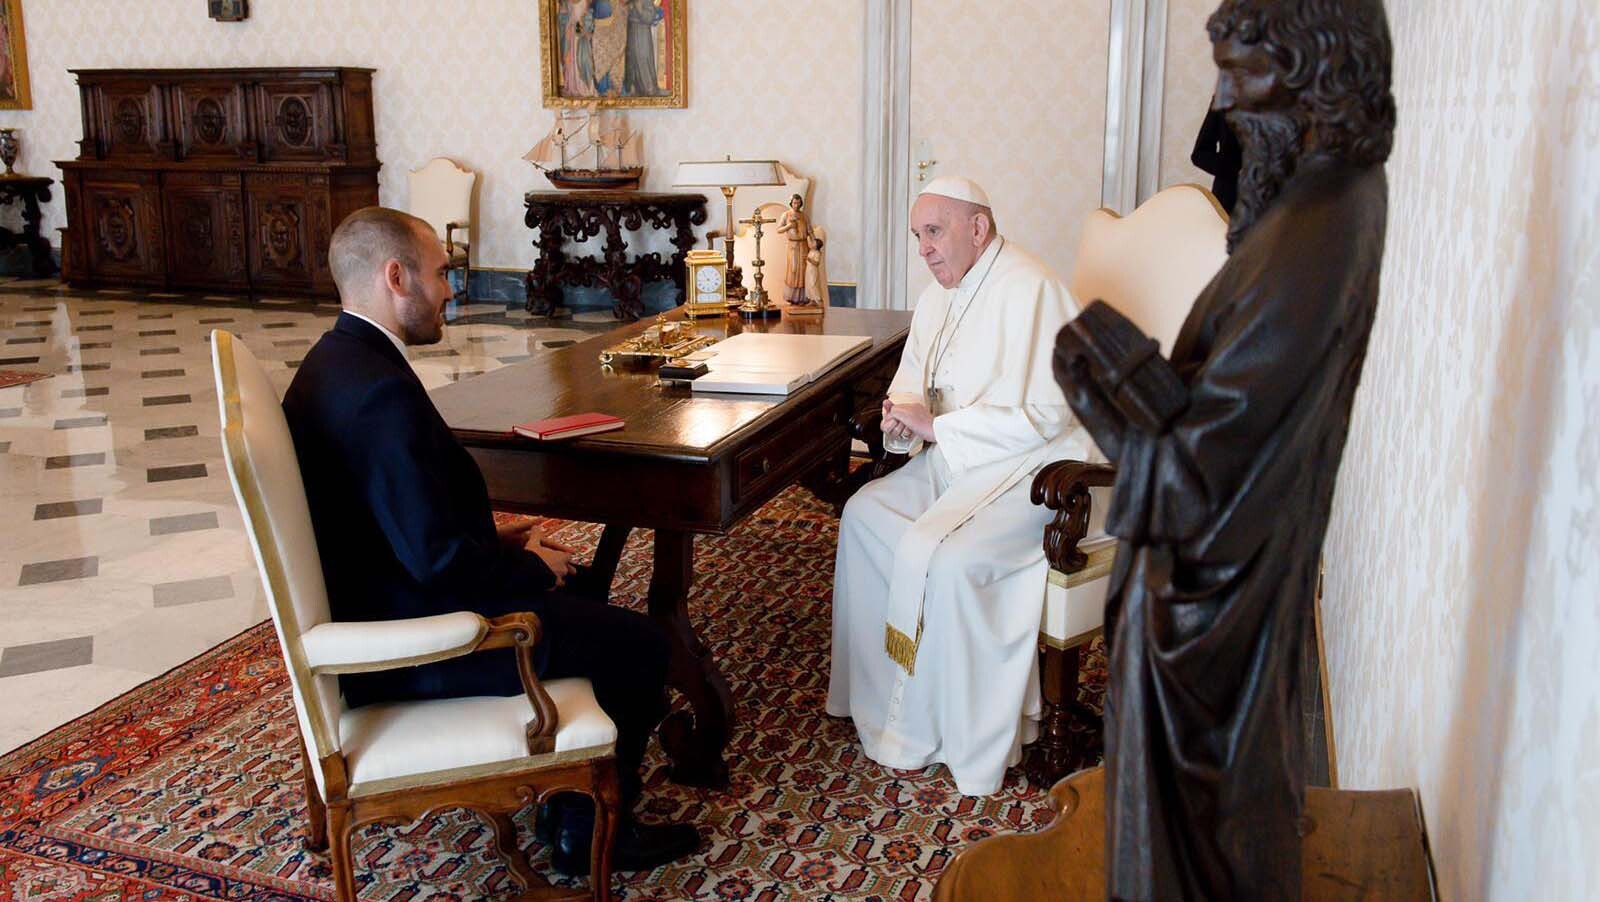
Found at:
(399, 761)
(441, 195)
(773, 202)
(1150, 265)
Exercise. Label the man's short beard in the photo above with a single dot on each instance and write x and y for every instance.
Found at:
(415, 327)
(1271, 143)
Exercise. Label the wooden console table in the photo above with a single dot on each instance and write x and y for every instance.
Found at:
(31, 190)
(561, 216)
(685, 463)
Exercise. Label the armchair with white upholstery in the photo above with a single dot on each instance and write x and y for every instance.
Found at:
(1150, 265)
(441, 195)
(398, 761)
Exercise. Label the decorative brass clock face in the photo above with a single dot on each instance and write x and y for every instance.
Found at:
(707, 279)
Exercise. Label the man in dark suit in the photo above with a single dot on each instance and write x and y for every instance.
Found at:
(404, 527)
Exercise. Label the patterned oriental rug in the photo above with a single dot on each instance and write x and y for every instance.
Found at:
(189, 786)
(12, 378)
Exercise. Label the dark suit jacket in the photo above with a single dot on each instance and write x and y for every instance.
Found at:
(400, 508)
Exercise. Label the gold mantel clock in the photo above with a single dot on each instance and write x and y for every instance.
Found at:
(707, 285)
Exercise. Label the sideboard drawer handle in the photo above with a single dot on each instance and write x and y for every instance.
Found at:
(766, 465)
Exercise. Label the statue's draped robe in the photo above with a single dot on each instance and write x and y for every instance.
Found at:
(954, 535)
(1221, 514)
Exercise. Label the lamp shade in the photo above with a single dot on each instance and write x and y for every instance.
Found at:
(726, 173)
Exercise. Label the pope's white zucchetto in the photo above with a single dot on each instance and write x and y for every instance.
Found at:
(958, 188)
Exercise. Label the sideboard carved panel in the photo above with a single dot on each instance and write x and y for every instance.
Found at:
(217, 179)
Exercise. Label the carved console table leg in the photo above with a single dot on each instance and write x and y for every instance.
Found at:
(38, 247)
(625, 286)
(544, 289)
(683, 243)
(695, 743)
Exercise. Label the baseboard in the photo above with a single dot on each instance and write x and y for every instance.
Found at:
(492, 284)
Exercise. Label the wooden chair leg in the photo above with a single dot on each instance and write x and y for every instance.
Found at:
(1053, 757)
(505, 838)
(316, 838)
(607, 818)
(339, 853)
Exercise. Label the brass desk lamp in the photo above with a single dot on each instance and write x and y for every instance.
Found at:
(729, 175)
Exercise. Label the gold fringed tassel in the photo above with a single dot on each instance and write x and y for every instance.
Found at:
(902, 648)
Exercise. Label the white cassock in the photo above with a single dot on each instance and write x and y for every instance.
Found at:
(943, 560)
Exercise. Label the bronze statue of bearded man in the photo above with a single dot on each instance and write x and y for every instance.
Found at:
(1226, 456)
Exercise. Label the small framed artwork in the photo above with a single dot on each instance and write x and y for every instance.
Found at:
(228, 10)
(614, 53)
(14, 93)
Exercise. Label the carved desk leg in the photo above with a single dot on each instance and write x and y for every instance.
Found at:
(38, 247)
(695, 743)
(544, 288)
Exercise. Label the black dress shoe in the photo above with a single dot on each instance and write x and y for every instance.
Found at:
(639, 847)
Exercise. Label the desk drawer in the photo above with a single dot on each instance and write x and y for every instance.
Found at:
(791, 449)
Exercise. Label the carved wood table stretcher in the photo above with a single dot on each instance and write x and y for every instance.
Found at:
(685, 463)
(577, 216)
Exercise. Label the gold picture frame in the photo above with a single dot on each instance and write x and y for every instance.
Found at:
(592, 69)
(14, 91)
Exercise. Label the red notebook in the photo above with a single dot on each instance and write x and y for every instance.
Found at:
(568, 427)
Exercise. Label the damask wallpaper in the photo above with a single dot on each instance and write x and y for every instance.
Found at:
(461, 80)
(1013, 95)
(1462, 609)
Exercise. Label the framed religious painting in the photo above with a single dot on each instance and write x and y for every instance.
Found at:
(14, 93)
(614, 53)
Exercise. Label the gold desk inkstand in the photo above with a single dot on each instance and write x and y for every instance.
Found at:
(661, 340)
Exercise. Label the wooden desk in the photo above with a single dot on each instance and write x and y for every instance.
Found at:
(686, 463)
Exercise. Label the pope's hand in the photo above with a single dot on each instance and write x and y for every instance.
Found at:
(906, 420)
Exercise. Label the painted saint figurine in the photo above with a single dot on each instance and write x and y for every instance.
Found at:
(1226, 456)
(816, 279)
(792, 225)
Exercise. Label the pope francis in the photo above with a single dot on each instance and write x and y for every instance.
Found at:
(940, 575)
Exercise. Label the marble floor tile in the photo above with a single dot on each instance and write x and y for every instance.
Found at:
(36, 657)
(56, 571)
(119, 532)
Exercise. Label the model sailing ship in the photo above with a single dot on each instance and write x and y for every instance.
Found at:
(579, 146)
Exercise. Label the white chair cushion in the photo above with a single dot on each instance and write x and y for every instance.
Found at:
(361, 646)
(1075, 603)
(408, 744)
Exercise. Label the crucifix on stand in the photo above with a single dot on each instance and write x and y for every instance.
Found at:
(755, 305)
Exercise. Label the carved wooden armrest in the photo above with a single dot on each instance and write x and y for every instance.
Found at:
(1063, 487)
(450, 243)
(521, 631)
(867, 426)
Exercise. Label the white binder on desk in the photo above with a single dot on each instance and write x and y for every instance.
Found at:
(766, 363)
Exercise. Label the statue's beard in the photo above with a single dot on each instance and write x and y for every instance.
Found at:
(1271, 146)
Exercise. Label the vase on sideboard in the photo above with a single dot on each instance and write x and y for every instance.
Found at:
(9, 148)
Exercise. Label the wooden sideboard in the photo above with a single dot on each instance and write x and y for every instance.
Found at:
(227, 180)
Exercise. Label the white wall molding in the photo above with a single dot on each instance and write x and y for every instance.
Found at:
(1135, 80)
(885, 153)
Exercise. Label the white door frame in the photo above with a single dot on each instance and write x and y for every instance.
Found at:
(1135, 76)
